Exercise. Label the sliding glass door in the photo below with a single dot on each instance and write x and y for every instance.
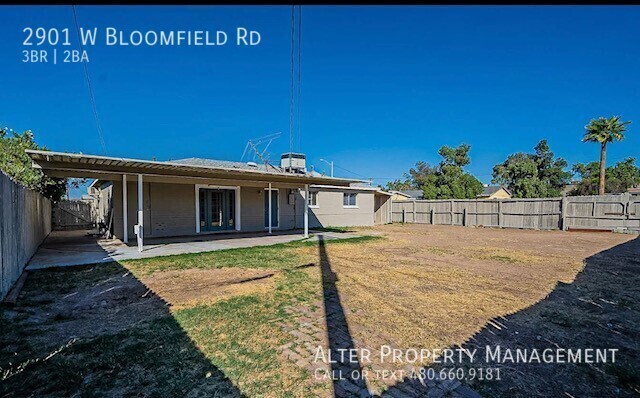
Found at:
(217, 209)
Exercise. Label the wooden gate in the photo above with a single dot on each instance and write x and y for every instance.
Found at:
(73, 214)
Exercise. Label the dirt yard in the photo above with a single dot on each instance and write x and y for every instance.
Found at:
(249, 321)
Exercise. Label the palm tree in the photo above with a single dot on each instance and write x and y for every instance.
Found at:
(603, 131)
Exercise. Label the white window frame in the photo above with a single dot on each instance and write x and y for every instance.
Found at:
(311, 194)
(272, 226)
(355, 195)
(237, 206)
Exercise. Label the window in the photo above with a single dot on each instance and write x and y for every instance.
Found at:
(313, 199)
(349, 199)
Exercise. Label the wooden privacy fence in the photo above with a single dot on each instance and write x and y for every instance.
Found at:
(611, 212)
(25, 220)
(73, 214)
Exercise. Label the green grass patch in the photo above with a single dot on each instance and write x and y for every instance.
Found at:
(241, 336)
(278, 256)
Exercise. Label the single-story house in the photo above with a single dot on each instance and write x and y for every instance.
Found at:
(494, 192)
(142, 198)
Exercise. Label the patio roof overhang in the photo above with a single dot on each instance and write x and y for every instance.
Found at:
(62, 164)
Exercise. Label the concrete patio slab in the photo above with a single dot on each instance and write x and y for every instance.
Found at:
(69, 248)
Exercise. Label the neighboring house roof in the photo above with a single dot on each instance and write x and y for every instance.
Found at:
(634, 190)
(400, 193)
(412, 193)
(62, 164)
(490, 190)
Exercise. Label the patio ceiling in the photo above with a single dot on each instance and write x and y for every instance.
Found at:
(62, 164)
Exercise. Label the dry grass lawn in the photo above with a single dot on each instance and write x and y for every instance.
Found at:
(420, 286)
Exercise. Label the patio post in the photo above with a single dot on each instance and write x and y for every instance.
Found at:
(306, 210)
(140, 226)
(125, 234)
(269, 193)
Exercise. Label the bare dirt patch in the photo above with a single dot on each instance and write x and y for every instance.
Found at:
(186, 288)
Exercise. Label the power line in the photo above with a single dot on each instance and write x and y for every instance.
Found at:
(86, 74)
(299, 68)
(349, 171)
(291, 101)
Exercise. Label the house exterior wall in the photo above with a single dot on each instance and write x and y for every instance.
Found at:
(170, 208)
(500, 194)
(253, 208)
(330, 211)
(103, 206)
(397, 197)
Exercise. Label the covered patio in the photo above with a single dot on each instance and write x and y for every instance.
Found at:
(187, 205)
(82, 247)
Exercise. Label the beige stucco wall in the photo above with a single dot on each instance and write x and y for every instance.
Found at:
(397, 197)
(170, 210)
(252, 209)
(500, 194)
(331, 212)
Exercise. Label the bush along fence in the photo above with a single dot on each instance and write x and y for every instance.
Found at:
(25, 220)
(606, 212)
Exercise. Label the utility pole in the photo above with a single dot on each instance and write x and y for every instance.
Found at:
(330, 164)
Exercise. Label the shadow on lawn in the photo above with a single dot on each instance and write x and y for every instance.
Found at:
(599, 309)
(345, 370)
(97, 330)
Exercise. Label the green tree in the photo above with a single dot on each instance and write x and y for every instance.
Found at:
(447, 180)
(17, 164)
(603, 131)
(533, 175)
(624, 175)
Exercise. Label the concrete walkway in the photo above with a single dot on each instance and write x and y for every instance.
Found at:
(68, 248)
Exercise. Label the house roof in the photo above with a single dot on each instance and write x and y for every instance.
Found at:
(412, 193)
(400, 193)
(226, 164)
(62, 164)
(490, 190)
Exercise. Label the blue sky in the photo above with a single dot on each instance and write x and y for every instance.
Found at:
(382, 87)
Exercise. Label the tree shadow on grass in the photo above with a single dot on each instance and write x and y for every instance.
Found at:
(97, 330)
(600, 310)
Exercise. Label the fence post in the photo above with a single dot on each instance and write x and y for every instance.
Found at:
(451, 202)
(500, 213)
(563, 214)
(414, 213)
(433, 216)
(626, 199)
(464, 217)
(404, 215)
